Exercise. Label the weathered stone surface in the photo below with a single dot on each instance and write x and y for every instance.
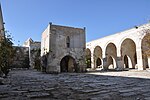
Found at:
(37, 94)
(34, 47)
(63, 49)
(126, 94)
(117, 51)
(21, 57)
(30, 84)
(1, 81)
(147, 98)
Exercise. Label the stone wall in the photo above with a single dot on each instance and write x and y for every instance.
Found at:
(45, 41)
(34, 50)
(64, 42)
(125, 46)
(21, 57)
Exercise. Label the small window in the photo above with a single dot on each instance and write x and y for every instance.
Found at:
(68, 42)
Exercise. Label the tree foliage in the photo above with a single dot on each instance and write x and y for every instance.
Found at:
(6, 53)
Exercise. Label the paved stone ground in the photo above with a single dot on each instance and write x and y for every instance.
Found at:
(33, 85)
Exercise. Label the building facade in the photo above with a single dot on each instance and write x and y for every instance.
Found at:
(64, 48)
(34, 49)
(122, 50)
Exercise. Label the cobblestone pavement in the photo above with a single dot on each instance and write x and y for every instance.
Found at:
(33, 85)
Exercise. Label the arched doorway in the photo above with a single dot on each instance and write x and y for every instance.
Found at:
(97, 56)
(145, 61)
(127, 62)
(111, 55)
(88, 58)
(68, 64)
(126, 65)
(111, 62)
(98, 62)
(146, 50)
(128, 53)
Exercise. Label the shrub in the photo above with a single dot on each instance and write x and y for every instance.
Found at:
(6, 54)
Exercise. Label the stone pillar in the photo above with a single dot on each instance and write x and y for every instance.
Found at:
(120, 63)
(139, 59)
(105, 66)
(92, 61)
(119, 51)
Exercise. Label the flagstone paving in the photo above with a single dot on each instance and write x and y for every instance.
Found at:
(34, 85)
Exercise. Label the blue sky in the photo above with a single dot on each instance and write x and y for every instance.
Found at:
(29, 18)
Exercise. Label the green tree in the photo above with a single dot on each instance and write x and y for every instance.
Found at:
(6, 53)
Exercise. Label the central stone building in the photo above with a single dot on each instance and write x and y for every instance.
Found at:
(63, 49)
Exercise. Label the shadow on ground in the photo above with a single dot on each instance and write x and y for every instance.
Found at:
(30, 84)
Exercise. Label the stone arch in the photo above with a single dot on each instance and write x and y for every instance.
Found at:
(124, 38)
(121, 41)
(128, 48)
(111, 62)
(127, 62)
(99, 62)
(97, 56)
(111, 55)
(68, 64)
(88, 57)
(105, 46)
(145, 46)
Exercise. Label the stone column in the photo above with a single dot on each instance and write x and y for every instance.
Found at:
(92, 58)
(104, 58)
(120, 63)
(105, 63)
(139, 59)
(92, 61)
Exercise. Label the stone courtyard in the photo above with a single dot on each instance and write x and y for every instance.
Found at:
(112, 85)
